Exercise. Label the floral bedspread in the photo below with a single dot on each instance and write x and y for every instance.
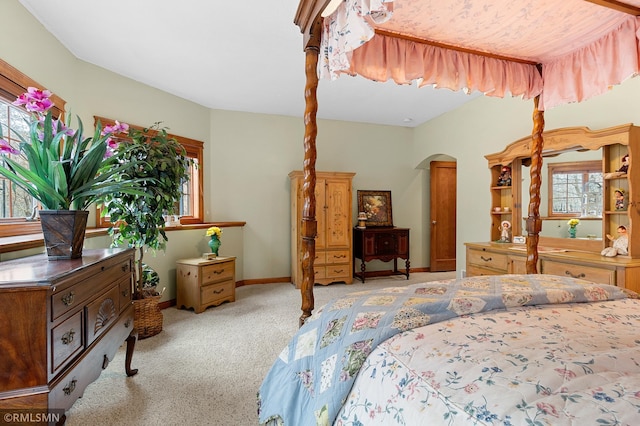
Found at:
(311, 379)
(567, 364)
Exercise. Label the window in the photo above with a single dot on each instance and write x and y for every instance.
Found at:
(15, 204)
(191, 206)
(575, 189)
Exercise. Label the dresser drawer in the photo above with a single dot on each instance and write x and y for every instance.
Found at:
(589, 273)
(68, 297)
(337, 256)
(337, 271)
(66, 341)
(102, 312)
(485, 259)
(319, 272)
(321, 257)
(212, 293)
(71, 385)
(124, 289)
(217, 272)
(475, 271)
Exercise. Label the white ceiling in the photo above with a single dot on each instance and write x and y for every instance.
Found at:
(233, 55)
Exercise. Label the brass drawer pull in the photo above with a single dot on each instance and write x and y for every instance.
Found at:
(218, 272)
(68, 337)
(125, 293)
(575, 276)
(68, 299)
(218, 291)
(486, 259)
(70, 387)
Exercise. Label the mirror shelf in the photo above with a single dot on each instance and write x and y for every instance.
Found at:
(572, 144)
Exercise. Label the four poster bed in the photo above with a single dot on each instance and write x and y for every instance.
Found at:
(509, 349)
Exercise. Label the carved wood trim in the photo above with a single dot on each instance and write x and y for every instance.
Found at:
(563, 139)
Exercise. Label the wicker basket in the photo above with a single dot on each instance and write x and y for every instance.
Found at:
(147, 316)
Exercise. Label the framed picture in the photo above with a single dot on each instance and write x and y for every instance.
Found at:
(376, 205)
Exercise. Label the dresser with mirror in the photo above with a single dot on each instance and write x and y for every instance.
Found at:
(598, 211)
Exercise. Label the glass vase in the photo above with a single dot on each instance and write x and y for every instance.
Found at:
(572, 231)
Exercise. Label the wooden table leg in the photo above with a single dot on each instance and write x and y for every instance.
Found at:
(131, 343)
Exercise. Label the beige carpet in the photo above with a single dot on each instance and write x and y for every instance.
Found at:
(205, 369)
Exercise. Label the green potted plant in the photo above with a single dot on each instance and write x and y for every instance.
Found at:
(64, 171)
(138, 219)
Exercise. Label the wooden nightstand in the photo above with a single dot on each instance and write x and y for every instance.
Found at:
(202, 283)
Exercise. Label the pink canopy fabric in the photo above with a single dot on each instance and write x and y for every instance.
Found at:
(584, 48)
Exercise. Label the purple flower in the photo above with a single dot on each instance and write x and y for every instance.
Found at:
(6, 148)
(116, 128)
(35, 100)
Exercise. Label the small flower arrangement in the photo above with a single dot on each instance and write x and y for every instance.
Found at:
(57, 165)
(573, 222)
(214, 230)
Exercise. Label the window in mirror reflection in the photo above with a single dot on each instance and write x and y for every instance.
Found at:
(576, 189)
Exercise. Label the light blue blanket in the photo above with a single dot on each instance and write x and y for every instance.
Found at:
(313, 375)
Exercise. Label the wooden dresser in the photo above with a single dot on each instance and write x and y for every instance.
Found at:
(202, 283)
(501, 258)
(332, 262)
(62, 322)
(383, 244)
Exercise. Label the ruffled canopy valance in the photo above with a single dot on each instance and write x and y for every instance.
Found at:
(492, 47)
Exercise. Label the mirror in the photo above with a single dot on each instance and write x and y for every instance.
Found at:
(604, 149)
(591, 218)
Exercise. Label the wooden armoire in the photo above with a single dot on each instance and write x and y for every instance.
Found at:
(335, 220)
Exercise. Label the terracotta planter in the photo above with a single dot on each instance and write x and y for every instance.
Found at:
(63, 232)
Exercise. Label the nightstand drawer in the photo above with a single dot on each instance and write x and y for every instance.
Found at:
(214, 292)
(217, 272)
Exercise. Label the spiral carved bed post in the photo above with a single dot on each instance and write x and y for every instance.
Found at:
(534, 223)
(309, 226)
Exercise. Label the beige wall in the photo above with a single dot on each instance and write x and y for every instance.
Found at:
(248, 156)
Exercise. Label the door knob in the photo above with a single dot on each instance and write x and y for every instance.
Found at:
(433, 222)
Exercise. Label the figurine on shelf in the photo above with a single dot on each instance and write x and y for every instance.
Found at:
(505, 176)
(620, 244)
(505, 235)
(619, 197)
(621, 171)
(625, 164)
